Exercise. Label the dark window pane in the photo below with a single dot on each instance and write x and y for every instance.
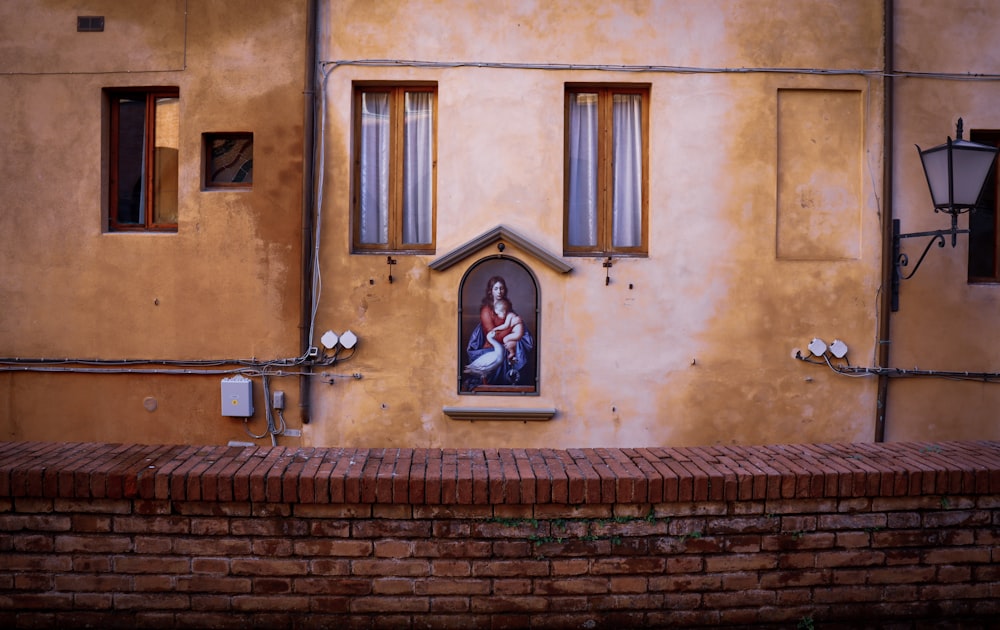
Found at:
(983, 222)
(131, 160)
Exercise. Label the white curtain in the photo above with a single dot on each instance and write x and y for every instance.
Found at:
(374, 184)
(418, 161)
(582, 228)
(627, 161)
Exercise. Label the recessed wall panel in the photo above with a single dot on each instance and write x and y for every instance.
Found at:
(820, 166)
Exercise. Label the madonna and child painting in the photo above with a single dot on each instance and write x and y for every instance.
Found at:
(499, 322)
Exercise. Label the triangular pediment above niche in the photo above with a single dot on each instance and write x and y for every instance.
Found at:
(500, 233)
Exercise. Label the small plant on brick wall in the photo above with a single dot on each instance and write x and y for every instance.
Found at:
(557, 525)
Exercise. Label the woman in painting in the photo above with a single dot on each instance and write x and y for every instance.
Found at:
(495, 301)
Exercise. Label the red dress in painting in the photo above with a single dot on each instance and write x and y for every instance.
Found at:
(490, 320)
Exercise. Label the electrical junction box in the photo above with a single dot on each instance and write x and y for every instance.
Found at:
(237, 397)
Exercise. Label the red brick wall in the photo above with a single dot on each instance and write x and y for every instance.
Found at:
(109, 536)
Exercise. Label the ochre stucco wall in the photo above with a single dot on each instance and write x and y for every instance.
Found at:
(226, 285)
(944, 322)
(765, 220)
(698, 350)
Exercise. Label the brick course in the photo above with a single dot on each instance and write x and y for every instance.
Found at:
(188, 537)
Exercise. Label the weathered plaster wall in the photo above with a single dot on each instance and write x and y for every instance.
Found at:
(226, 285)
(944, 323)
(698, 350)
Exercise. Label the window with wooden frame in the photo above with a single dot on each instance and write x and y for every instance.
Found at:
(228, 160)
(606, 171)
(984, 225)
(143, 152)
(395, 165)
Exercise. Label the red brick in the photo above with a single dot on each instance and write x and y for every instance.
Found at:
(557, 473)
(628, 566)
(343, 461)
(329, 567)
(506, 568)
(849, 558)
(268, 567)
(572, 586)
(156, 545)
(153, 583)
(152, 524)
(384, 605)
(841, 577)
(852, 540)
(509, 604)
(271, 586)
(451, 568)
(450, 605)
(958, 555)
(394, 548)
(151, 601)
(786, 579)
(382, 472)
(94, 543)
(333, 547)
(257, 603)
(840, 595)
(213, 584)
(332, 586)
(269, 527)
(450, 549)
(44, 601)
(206, 546)
(36, 582)
(37, 522)
(209, 526)
(628, 584)
(850, 521)
(41, 543)
(151, 564)
(901, 575)
(685, 564)
(391, 567)
(741, 562)
(451, 587)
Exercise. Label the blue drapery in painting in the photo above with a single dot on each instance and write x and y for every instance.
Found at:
(509, 372)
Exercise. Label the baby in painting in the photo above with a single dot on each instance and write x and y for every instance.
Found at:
(512, 328)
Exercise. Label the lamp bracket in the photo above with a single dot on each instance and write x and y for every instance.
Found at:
(901, 260)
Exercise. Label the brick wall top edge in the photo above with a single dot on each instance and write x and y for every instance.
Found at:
(496, 476)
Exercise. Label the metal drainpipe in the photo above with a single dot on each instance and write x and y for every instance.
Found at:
(888, 264)
(308, 199)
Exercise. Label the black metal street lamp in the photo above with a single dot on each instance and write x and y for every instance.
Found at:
(956, 173)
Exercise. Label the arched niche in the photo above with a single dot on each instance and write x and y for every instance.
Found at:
(512, 365)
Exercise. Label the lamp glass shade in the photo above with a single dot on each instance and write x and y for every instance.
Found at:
(956, 173)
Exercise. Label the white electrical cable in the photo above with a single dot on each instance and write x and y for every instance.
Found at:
(904, 74)
(317, 279)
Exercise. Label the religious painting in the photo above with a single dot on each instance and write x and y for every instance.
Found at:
(498, 328)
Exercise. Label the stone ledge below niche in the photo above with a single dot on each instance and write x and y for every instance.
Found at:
(498, 413)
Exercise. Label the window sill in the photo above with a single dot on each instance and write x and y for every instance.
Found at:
(471, 414)
(571, 254)
(392, 252)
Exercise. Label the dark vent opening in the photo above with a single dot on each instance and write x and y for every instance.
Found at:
(89, 23)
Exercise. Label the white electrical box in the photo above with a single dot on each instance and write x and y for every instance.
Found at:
(237, 397)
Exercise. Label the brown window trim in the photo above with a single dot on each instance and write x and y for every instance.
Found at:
(395, 245)
(150, 94)
(604, 245)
